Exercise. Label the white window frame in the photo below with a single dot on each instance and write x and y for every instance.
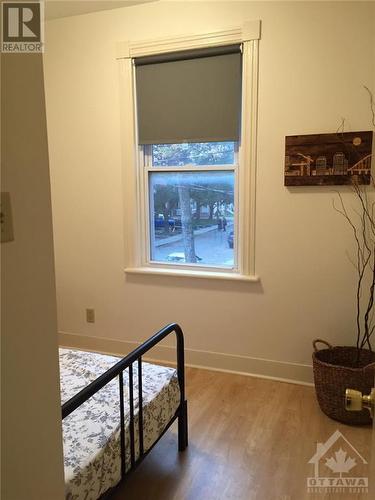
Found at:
(135, 175)
(145, 168)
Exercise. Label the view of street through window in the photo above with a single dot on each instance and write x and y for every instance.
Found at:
(192, 213)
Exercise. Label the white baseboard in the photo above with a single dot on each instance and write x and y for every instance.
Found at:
(232, 363)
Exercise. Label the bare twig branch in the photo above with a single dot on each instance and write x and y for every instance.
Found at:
(363, 229)
(363, 232)
(341, 127)
(372, 104)
(366, 338)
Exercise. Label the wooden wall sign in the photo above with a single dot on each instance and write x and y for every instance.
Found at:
(328, 159)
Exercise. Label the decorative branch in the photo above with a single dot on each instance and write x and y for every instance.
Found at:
(341, 127)
(372, 104)
(364, 236)
(366, 337)
(364, 233)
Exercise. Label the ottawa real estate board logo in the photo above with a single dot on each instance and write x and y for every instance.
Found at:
(338, 468)
(22, 27)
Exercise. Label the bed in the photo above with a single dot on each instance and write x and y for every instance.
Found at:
(114, 411)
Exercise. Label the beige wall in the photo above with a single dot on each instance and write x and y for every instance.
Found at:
(314, 60)
(32, 465)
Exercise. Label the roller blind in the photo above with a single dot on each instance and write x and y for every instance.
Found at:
(190, 96)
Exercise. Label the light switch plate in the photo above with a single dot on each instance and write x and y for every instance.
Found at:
(6, 218)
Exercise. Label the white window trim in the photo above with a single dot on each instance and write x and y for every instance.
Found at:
(134, 220)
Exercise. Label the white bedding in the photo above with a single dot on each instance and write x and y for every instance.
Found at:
(92, 432)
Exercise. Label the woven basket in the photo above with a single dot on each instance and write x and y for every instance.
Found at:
(335, 370)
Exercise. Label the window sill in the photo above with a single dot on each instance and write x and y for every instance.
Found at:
(189, 273)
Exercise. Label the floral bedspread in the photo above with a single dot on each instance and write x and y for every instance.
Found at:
(91, 433)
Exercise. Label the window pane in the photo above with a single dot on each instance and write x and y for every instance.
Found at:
(193, 153)
(192, 217)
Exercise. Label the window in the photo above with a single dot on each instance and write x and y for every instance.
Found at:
(203, 153)
(192, 209)
(192, 212)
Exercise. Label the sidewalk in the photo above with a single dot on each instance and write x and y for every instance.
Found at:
(178, 237)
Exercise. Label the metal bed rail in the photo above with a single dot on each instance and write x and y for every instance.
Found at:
(117, 371)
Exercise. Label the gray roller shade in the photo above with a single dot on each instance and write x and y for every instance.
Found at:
(189, 97)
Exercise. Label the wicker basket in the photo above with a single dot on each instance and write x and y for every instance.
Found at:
(335, 370)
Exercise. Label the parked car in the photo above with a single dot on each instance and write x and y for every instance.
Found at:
(230, 239)
(179, 257)
(159, 221)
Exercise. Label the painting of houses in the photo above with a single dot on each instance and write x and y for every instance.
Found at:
(328, 159)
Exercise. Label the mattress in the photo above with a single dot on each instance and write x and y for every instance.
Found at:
(91, 434)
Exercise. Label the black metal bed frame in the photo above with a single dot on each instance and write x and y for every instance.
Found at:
(117, 371)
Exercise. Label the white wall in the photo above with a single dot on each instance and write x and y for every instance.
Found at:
(32, 461)
(314, 59)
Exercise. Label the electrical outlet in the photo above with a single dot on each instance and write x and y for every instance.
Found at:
(6, 218)
(90, 315)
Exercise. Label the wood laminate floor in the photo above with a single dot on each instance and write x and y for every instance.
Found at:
(249, 439)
